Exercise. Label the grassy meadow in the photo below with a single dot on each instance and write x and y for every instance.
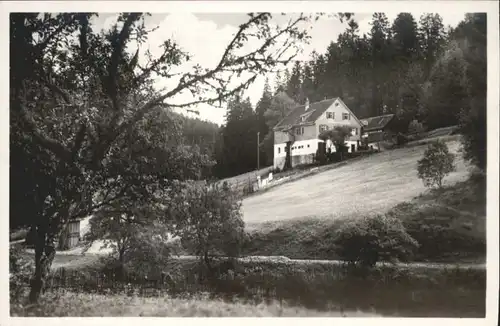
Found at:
(370, 185)
(449, 224)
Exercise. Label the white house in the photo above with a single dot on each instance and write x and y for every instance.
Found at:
(299, 130)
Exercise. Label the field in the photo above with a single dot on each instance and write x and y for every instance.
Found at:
(370, 185)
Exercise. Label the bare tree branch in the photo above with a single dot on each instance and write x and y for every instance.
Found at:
(115, 56)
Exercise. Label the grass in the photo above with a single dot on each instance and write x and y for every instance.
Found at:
(366, 186)
(70, 304)
(278, 289)
(449, 225)
(425, 141)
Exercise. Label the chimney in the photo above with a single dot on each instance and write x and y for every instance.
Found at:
(307, 104)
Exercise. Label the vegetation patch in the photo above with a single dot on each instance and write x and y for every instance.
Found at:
(271, 288)
(71, 304)
(448, 225)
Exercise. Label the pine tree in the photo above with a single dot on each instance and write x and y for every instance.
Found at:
(405, 37)
(294, 85)
(263, 105)
(308, 89)
(379, 46)
(432, 37)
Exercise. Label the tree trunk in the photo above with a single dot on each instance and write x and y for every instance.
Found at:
(121, 267)
(44, 256)
(288, 157)
(45, 249)
(63, 239)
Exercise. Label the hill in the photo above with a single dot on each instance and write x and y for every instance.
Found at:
(300, 219)
(368, 186)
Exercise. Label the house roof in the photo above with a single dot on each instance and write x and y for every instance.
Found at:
(379, 122)
(315, 110)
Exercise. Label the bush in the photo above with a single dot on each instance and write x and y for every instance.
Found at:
(207, 219)
(320, 156)
(473, 130)
(401, 139)
(137, 235)
(371, 239)
(20, 271)
(437, 163)
(416, 127)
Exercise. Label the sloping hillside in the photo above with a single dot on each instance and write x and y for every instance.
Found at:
(368, 186)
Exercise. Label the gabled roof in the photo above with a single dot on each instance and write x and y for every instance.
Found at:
(375, 123)
(315, 110)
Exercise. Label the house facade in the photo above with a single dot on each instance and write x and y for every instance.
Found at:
(299, 131)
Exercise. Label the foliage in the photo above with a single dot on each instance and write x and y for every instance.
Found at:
(372, 239)
(68, 303)
(282, 287)
(320, 156)
(239, 138)
(436, 163)
(207, 219)
(338, 135)
(80, 97)
(416, 127)
(20, 270)
(137, 236)
(473, 126)
(473, 116)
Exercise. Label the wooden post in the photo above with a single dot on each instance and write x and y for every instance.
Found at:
(258, 152)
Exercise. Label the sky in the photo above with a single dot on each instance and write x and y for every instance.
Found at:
(205, 35)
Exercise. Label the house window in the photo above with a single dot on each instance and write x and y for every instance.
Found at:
(279, 150)
(346, 116)
(299, 131)
(308, 146)
(354, 131)
(323, 128)
(330, 115)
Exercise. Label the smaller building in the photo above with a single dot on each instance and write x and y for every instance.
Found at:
(378, 129)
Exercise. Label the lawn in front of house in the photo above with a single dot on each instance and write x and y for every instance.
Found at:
(370, 185)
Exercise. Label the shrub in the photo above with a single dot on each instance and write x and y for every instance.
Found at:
(401, 139)
(20, 271)
(371, 239)
(416, 127)
(137, 236)
(437, 163)
(207, 219)
(320, 156)
(473, 130)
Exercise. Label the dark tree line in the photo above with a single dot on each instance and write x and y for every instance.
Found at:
(413, 67)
